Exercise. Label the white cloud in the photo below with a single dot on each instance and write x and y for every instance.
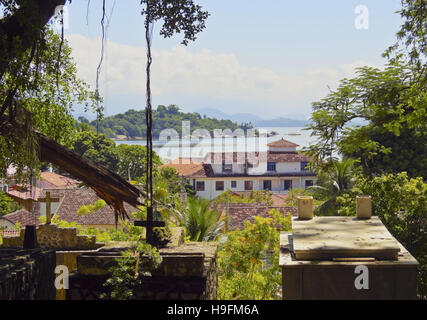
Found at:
(201, 74)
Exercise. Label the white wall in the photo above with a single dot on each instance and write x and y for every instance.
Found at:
(284, 167)
(210, 186)
(281, 167)
(6, 224)
(258, 184)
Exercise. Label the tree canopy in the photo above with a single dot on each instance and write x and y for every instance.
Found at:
(96, 147)
(5, 204)
(390, 142)
(392, 106)
(132, 123)
(391, 101)
(39, 95)
(132, 161)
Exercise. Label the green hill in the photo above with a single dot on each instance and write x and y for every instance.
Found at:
(132, 123)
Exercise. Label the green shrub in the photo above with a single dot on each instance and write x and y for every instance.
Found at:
(401, 205)
(5, 204)
(201, 223)
(248, 260)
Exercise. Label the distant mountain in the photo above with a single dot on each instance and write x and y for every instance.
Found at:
(238, 117)
(255, 120)
(281, 122)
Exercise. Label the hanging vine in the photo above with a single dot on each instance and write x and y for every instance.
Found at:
(177, 16)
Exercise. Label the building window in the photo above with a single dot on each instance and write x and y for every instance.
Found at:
(304, 165)
(267, 185)
(234, 184)
(308, 183)
(249, 185)
(288, 184)
(219, 186)
(227, 167)
(200, 186)
(271, 166)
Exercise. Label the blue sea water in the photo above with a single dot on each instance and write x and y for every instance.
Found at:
(198, 148)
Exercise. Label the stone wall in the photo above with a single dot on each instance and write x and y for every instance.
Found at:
(188, 272)
(52, 237)
(27, 274)
(66, 240)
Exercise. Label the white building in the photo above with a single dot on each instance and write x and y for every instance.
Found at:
(278, 170)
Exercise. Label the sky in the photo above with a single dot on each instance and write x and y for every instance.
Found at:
(271, 58)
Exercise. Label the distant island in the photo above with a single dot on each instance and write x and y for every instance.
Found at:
(255, 120)
(131, 125)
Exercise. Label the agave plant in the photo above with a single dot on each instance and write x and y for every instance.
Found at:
(337, 181)
(200, 221)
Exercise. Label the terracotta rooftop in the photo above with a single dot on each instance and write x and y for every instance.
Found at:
(74, 198)
(282, 143)
(188, 168)
(24, 192)
(277, 198)
(57, 180)
(48, 180)
(24, 217)
(192, 170)
(201, 168)
(240, 212)
(287, 157)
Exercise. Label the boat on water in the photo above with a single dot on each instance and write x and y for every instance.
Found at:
(272, 134)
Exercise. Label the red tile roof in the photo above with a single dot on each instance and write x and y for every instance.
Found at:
(203, 169)
(24, 217)
(49, 180)
(184, 167)
(57, 180)
(74, 198)
(287, 157)
(282, 143)
(277, 198)
(240, 212)
(24, 192)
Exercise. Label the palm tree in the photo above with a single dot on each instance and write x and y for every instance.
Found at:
(336, 182)
(200, 221)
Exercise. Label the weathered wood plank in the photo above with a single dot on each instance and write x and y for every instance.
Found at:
(107, 184)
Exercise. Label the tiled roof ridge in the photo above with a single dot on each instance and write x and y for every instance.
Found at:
(24, 216)
(282, 143)
(74, 198)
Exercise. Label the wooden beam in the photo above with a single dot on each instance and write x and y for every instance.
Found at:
(107, 184)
